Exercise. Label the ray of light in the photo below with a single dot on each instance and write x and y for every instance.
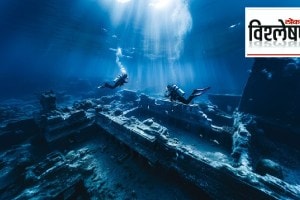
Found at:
(157, 28)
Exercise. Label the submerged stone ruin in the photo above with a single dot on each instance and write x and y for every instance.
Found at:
(228, 148)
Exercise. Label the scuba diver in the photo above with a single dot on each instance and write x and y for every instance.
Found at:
(118, 82)
(174, 93)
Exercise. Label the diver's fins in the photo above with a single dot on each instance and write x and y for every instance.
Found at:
(202, 89)
(198, 92)
(101, 86)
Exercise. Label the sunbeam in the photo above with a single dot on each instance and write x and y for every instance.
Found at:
(162, 23)
(123, 1)
(156, 29)
(160, 4)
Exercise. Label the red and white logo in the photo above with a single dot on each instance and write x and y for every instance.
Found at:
(272, 32)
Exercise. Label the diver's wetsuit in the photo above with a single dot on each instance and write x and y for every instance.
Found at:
(119, 81)
(176, 94)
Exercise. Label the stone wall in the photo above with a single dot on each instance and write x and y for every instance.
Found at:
(273, 90)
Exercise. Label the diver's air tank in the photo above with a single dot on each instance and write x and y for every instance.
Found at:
(117, 78)
(178, 91)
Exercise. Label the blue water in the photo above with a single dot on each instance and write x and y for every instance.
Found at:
(195, 43)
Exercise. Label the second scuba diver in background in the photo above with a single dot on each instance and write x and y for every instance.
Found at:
(118, 82)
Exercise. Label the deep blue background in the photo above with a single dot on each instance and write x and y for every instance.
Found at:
(44, 44)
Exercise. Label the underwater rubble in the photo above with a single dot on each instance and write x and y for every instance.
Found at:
(182, 138)
(175, 137)
(132, 146)
(61, 153)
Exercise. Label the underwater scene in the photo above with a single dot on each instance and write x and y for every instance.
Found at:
(144, 99)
